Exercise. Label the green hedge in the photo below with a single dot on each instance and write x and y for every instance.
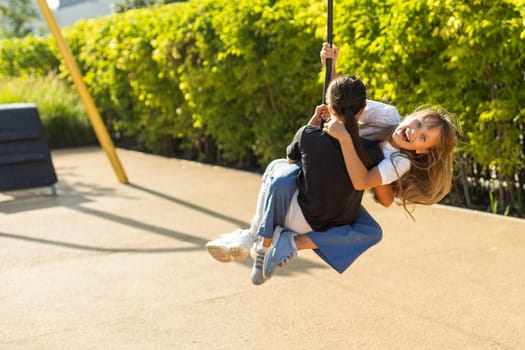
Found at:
(465, 56)
(232, 80)
(26, 57)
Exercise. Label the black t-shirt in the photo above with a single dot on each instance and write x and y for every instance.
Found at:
(326, 194)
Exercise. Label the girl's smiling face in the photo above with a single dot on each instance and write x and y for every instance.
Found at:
(416, 133)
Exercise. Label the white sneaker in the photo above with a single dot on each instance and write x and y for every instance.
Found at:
(231, 246)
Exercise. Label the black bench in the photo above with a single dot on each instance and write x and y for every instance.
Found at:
(25, 159)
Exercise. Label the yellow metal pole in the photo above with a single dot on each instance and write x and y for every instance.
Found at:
(87, 100)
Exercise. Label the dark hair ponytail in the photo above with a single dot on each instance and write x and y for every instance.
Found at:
(347, 96)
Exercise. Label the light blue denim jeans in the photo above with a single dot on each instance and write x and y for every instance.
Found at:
(277, 189)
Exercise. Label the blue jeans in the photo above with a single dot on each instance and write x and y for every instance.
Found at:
(339, 246)
(277, 189)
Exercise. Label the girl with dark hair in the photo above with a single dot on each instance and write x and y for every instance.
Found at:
(419, 162)
(325, 198)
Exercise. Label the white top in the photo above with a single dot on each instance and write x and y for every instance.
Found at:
(294, 219)
(377, 115)
(394, 165)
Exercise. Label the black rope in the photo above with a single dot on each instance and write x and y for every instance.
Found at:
(327, 77)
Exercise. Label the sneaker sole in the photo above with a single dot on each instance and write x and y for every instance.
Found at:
(238, 253)
(220, 254)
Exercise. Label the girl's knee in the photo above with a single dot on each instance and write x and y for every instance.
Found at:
(272, 168)
(283, 184)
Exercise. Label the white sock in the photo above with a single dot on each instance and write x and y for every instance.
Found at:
(261, 247)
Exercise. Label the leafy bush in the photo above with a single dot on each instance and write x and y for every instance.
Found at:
(30, 56)
(248, 71)
(466, 56)
(242, 75)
